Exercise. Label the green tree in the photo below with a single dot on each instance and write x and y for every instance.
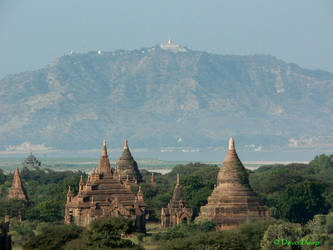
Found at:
(276, 235)
(107, 232)
(210, 240)
(12, 207)
(253, 232)
(322, 162)
(54, 238)
(300, 202)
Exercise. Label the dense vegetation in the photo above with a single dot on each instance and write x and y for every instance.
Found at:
(299, 197)
(46, 190)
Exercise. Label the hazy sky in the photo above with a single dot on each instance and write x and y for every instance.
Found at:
(34, 33)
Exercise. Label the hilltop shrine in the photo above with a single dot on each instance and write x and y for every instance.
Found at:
(31, 161)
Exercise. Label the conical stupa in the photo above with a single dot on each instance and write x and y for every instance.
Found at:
(17, 191)
(232, 201)
(127, 167)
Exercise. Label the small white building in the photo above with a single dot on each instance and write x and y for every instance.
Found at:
(172, 47)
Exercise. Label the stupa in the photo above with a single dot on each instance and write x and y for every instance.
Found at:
(104, 194)
(178, 210)
(127, 167)
(232, 201)
(17, 191)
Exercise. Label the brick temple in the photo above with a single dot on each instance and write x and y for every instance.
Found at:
(178, 210)
(232, 201)
(17, 191)
(105, 193)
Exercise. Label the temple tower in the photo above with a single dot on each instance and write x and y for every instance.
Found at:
(17, 191)
(104, 194)
(127, 167)
(232, 201)
(152, 181)
(104, 162)
(178, 209)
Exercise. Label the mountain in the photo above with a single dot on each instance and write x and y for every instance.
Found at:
(167, 99)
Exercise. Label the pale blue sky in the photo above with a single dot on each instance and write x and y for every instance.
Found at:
(33, 33)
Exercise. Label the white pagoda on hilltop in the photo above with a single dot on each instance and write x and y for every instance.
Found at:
(172, 47)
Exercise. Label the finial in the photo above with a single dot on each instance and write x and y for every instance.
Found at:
(104, 149)
(126, 144)
(231, 144)
(177, 179)
(81, 179)
(69, 188)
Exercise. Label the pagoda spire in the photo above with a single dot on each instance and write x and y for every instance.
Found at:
(69, 194)
(104, 163)
(153, 183)
(232, 154)
(81, 183)
(178, 193)
(17, 191)
(231, 144)
(126, 144)
(105, 152)
(140, 194)
(69, 190)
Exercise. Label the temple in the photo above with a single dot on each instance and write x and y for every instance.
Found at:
(178, 210)
(152, 180)
(104, 194)
(17, 191)
(31, 161)
(232, 201)
(127, 167)
(171, 46)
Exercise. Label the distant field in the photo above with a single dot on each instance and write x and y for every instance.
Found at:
(9, 164)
